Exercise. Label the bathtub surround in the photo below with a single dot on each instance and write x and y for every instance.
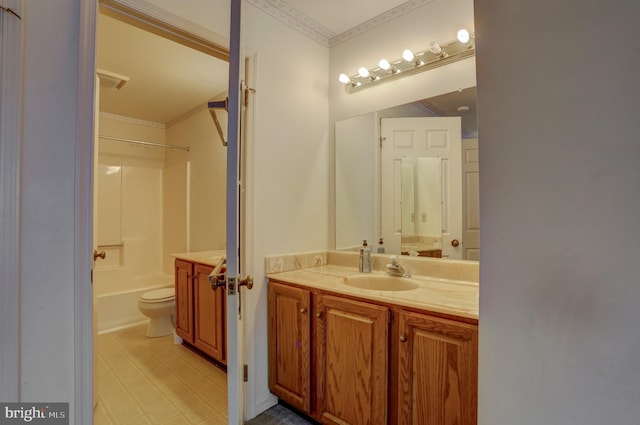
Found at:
(119, 310)
(130, 197)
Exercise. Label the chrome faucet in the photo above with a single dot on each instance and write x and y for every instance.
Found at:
(394, 268)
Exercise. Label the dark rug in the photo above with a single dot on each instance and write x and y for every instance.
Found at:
(278, 415)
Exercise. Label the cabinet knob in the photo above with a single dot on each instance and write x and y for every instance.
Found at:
(403, 338)
(319, 315)
(455, 243)
(303, 310)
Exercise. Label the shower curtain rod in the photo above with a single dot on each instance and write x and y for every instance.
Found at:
(144, 142)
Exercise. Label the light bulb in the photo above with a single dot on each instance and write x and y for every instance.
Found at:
(384, 64)
(363, 72)
(408, 55)
(464, 36)
(435, 48)
(344, 79)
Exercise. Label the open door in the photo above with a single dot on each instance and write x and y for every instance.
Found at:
(234, 281)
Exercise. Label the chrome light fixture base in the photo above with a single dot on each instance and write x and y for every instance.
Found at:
(451, 52)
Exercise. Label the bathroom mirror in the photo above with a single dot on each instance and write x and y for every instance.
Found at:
(360, 183)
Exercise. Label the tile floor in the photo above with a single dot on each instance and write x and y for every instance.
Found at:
(152, 381)
(149, 381)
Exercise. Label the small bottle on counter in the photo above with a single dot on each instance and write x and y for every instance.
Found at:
(364, 263)
(380, 246)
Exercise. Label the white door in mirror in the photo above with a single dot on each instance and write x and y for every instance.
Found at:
(422, 137)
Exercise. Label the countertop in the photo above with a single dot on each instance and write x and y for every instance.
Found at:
(210, 258)
(446, 296)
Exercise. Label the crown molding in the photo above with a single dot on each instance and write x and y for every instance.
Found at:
(377, 20)
(295, 19)
(312, 29)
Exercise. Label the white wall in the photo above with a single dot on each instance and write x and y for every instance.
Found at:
(207, 173)
(290, 169)
(560, 195)
(48, 202)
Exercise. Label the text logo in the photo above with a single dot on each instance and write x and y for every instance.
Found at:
(34, 413)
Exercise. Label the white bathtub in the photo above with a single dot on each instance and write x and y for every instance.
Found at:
(120, 310)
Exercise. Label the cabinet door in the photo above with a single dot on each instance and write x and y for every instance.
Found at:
(209, 306)
(289, 344)
(352, 349)
(184, 300)
(438, 371)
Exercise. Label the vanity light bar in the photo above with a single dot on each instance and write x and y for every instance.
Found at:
(436, 55)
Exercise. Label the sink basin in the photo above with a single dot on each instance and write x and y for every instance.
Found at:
(382, 283)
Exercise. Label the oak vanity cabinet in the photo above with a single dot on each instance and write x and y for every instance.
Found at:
(209, 315)
(355, 361)
(332, 364)
(352, 348)
(437, 371)
(184, 300)
(200, 310)
(290, 345)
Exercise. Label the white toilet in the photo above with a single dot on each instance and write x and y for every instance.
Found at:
(160, 307)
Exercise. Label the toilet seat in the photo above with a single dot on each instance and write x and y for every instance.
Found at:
(159, 295)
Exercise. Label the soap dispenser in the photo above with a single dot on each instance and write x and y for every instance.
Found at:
(380, 246)
(364, 264)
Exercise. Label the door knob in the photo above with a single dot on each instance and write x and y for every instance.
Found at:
(248, 282)
(97, 255)
(455, 243)
(218, 282)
